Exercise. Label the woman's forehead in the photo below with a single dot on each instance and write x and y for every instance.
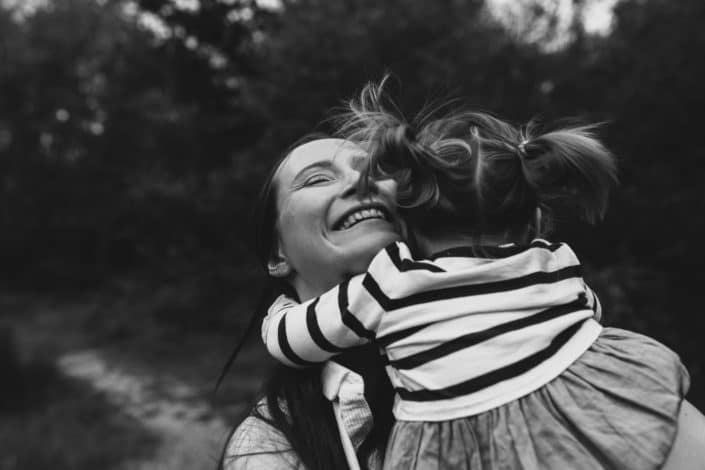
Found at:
(321, 151)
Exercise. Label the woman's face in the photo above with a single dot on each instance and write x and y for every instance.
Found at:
(327, 232)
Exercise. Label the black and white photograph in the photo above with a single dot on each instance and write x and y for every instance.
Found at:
(352, 234)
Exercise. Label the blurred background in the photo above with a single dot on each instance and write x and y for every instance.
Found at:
(134, 136)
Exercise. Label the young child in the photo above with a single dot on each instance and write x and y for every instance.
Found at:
(490, 332)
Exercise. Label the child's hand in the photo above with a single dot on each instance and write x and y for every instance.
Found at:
(280, 305)
(593, 302)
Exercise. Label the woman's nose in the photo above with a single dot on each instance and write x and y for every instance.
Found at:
(355, 186)
(352, 179)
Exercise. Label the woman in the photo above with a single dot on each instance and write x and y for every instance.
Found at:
(305, 252)
(303, 246)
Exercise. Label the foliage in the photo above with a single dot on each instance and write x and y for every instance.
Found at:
(79, 431)
(26, 381)
(48, 421)
(122, 152)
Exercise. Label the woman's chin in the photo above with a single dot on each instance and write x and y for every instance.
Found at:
(360, 251)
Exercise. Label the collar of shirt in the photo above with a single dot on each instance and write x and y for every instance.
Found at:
(346, 390)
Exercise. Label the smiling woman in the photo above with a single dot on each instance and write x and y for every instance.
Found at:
(313, 229)
(321, 216)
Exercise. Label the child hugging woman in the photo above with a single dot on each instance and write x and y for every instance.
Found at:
(489, 332)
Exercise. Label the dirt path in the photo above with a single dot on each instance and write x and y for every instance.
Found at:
(192, 434)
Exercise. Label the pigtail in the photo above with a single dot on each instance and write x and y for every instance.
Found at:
(394, 147)
(569, 170)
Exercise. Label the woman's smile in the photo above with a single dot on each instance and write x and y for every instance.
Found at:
(371, 212)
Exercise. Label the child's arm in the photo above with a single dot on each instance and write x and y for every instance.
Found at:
(348, 315)
(304, 334)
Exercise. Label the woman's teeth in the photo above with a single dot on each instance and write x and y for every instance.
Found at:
(361, 215)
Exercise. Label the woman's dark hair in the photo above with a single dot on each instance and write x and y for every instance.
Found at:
(295, 404)
(474, 172)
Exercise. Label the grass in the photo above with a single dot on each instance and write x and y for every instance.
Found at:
(64, 425)
(50, 421)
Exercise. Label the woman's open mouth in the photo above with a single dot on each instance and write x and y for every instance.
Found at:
(361, 214)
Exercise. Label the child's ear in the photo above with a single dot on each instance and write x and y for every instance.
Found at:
(278, 266)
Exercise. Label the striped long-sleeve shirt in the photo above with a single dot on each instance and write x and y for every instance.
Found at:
(461, 334)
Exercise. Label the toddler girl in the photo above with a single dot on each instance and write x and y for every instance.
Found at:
(489, 330)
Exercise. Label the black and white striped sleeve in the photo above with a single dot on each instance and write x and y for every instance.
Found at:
(348, 315)
(301, 335)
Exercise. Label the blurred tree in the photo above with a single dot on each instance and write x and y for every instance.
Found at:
(108, 136)
(134, 133)
(645, 79)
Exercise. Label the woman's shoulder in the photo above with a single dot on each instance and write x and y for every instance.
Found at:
(257, 445)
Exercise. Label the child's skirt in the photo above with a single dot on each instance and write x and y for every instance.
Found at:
(616, 407)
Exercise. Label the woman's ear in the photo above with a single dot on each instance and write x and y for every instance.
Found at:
(278, 266)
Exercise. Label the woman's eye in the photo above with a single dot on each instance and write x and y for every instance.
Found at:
(317, 179)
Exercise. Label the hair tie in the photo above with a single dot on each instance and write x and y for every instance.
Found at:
(521, 148)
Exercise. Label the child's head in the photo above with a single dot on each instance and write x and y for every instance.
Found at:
(469, 172)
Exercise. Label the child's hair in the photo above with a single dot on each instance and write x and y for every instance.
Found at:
(474, 172)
